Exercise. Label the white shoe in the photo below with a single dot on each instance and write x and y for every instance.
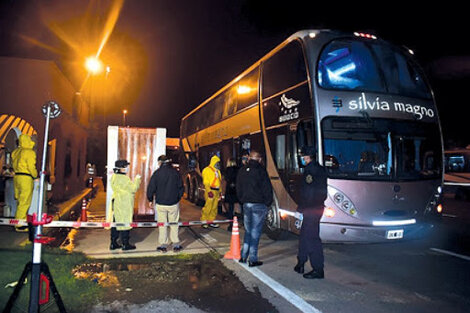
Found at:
(214, 225)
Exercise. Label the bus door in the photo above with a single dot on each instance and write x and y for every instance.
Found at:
(294, 175)
(247, 143)
(227, 151)
(299, 136)
(278, 137)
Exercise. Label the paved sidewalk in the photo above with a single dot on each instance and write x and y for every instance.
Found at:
(95, 242)
(62, 211)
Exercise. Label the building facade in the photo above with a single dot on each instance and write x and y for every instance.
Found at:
(25, 86)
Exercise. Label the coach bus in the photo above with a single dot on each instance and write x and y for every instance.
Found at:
(365, 107)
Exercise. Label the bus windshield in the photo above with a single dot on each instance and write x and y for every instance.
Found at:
(380, 149)
(373, 66)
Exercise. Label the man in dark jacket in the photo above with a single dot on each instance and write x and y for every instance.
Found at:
(313, 193)
(254, 190)
(166, 186)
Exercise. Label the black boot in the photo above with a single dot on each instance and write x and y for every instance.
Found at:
(125, 240)
(315, 274)
(114, 236)
(114, 245)
(299, 268)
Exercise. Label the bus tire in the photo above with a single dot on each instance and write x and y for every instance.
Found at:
(195, 192)
(191, 191)
(187, 189)
(272, 223)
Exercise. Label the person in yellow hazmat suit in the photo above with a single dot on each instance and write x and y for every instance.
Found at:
(24, 166)
(122, 204)
(212, 180)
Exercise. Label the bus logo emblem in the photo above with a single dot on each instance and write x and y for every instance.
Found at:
(288, 109)
(337, 103)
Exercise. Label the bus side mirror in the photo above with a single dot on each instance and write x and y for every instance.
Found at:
(331, 162)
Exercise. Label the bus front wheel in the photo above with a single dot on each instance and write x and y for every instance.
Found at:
(187, 190)
(272, 224)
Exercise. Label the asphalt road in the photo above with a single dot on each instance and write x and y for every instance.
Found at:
(426, 275)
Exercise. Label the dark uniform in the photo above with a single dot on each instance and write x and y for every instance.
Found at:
(313, 192)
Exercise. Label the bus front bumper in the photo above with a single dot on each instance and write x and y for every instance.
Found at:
(366, 234)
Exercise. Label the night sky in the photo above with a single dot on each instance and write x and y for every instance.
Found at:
(169, 56)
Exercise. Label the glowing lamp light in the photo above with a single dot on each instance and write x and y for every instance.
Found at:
(242, 89)
(93, 65)
(283, 214)
(439, 208)
(364, 35)
(394, 223)
(329, 212)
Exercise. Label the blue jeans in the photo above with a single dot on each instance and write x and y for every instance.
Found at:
(253, 219)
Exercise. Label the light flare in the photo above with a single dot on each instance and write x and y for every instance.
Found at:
(110, 24)
(329, 212)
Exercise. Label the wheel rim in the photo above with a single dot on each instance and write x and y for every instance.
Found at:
(271, 221)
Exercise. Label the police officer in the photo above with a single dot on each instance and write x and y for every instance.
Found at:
(313, 193)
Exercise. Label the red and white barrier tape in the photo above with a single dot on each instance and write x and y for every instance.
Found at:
(15, 222)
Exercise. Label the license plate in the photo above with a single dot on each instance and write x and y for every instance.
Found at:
(395, 234)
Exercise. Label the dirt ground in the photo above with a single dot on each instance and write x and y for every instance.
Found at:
(201, 281)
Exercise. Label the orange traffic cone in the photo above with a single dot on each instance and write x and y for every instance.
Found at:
(83, 217)
(234, 252)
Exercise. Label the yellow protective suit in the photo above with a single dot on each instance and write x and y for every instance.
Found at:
(24, 165)
(123, 199)
(212, 180)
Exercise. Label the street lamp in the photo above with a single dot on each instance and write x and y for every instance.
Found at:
(124, 112)
(93, 65)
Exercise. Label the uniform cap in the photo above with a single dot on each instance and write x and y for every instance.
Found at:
(163, 158)
(121, 163)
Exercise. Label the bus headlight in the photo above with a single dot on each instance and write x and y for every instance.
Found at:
(329, 212)
(338, 198)
(346, 205)
(434, 202)
(343, 202)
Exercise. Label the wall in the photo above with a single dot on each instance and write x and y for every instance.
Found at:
(25, 85)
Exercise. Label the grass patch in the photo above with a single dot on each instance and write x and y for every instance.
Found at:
(77, 295)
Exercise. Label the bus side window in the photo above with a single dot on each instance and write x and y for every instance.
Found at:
(277, 143)
(285, 69)
(293, 154)
(247, 90)
(216, 109)
(280, 155)
(230, 101)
